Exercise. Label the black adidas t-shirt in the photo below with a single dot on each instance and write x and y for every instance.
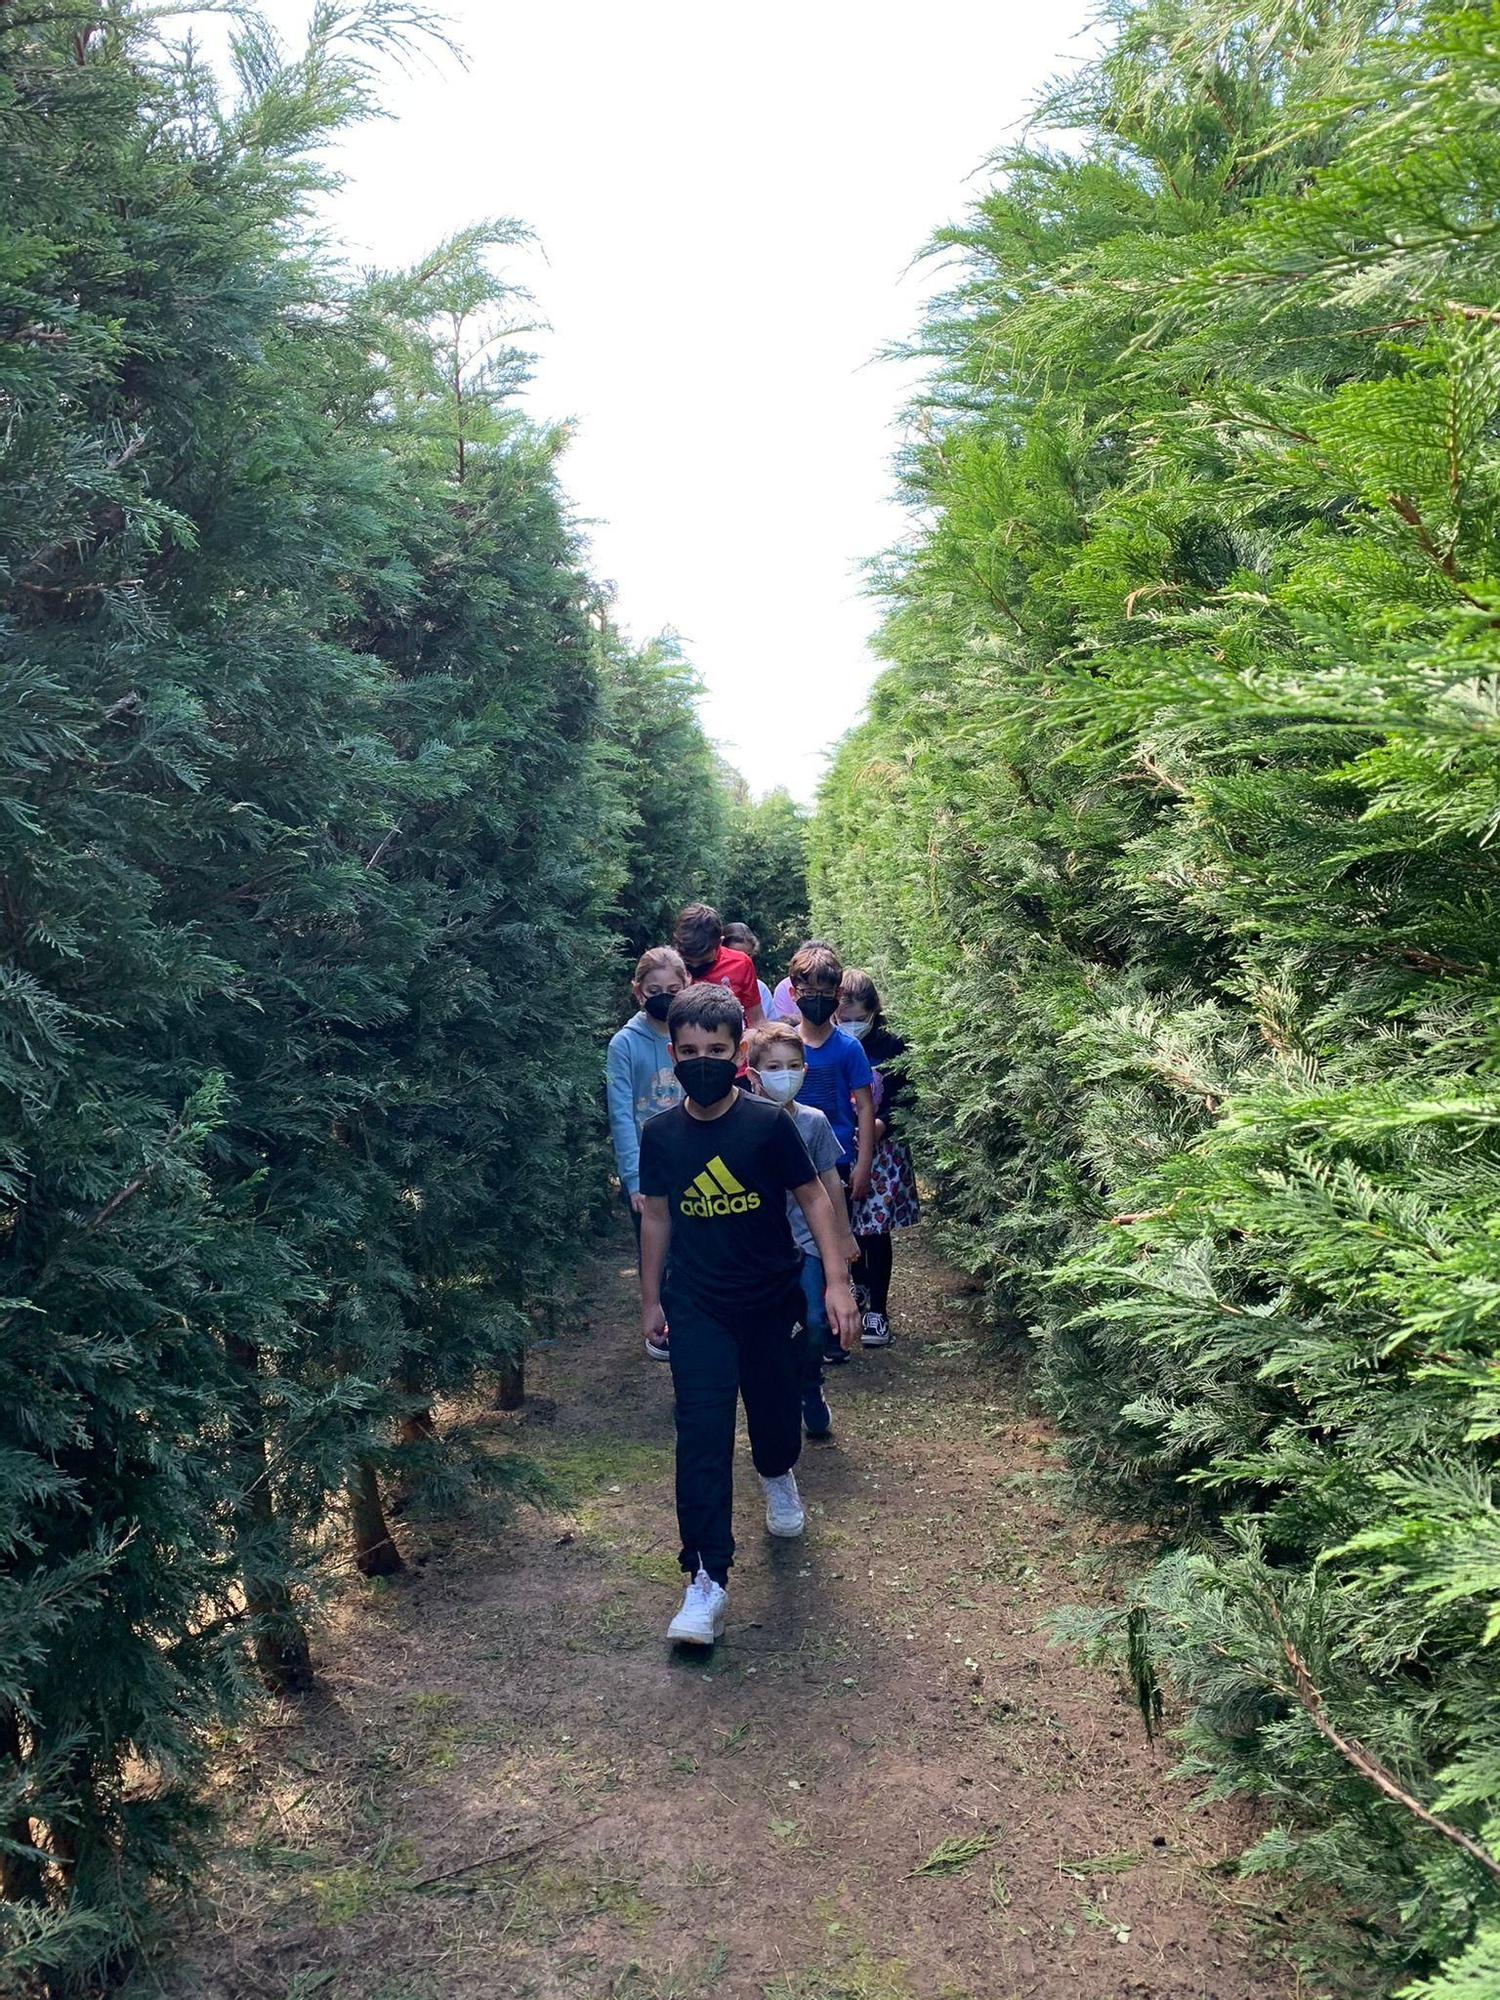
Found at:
(726, 1181)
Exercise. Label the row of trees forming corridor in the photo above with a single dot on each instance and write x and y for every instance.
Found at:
(331, 808)
(1173, 825)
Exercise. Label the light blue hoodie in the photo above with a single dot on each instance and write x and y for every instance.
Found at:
(638, 1082)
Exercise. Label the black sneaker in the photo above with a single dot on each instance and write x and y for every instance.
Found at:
(833, 1355)
(875, 1330)
(817, 1418)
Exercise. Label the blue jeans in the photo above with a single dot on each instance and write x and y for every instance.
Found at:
(815, 1326)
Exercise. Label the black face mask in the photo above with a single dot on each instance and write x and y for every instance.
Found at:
(817, 1007)
(658, 1005)
(706, 1079)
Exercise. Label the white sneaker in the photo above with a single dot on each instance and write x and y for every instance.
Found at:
(784, 1514)
(701, 1619)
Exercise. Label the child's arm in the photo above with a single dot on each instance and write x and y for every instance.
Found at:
(750, 1000)
(833, 1187)
(864, 1152)
(838, 1296)
(619, 1090)
(656, 1234)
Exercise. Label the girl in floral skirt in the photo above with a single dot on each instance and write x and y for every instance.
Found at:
(892, 1201)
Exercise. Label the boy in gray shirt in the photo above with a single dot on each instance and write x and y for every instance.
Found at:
(778, 1068)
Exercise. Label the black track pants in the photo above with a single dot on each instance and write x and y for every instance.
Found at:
(714, 1364)
(873, 1271)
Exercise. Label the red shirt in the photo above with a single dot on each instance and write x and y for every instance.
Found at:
(734, 970)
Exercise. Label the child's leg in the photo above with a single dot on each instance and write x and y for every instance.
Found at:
(705, 1379)
(770, 1386)
(815, 1327)
(873, 1270)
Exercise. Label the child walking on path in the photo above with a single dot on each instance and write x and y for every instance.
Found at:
(838, 1075)
(892, 1201)
(740, 937)
(838, 1072)
(717, 1255)
(699, 935)
(778, 1070)
(638, 1077)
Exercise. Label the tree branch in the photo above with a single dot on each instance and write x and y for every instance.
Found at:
(1363, 1761)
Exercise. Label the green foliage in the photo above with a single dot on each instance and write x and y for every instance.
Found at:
(311, 828)
(1171, 831)
(764, 875)
(672, 803)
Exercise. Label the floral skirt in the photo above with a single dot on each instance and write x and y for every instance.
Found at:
(892, 1201)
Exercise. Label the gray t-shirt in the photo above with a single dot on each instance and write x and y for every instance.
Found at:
(824, 1151)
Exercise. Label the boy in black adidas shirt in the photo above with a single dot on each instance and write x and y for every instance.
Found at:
(718, 1261)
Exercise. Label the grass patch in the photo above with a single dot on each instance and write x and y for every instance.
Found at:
(342, 1894)
(857, 1974)
(654, 1565)
(582, 1471)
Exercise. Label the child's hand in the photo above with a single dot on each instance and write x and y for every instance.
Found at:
(851, 1251)
(859, 1184)
(638, 1203)
(653, 1321)
(843, 1313)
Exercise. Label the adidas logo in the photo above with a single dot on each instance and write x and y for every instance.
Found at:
(716, 1192)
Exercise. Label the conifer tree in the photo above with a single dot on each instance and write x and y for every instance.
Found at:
(1171, 823)
(172, 733)
(764, 881)
(671, 803)
(306, 845)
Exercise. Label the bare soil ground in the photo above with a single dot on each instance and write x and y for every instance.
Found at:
(884, 1784)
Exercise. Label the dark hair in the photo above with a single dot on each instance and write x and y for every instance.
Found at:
(862, 990)
(706, 1006)
(741, 938)
(816, 960)
(699, 930)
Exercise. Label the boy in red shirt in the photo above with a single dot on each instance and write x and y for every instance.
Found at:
(699, 937)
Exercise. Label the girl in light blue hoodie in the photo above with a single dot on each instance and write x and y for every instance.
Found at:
(638, 1077)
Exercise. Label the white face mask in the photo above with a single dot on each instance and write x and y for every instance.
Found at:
(859, 1029)
(780, 1085)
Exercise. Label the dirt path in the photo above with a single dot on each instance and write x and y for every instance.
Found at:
(511, 1787)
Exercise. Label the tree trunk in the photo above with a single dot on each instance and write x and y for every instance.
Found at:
(20, 1876)
(375, 1554)
(282, 1658)
(419, 1428)
(510, 1387)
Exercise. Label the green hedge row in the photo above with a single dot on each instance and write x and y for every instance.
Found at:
(331, 808)
(1173, 825)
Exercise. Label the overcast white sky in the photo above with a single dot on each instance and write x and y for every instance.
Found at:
(728, 199)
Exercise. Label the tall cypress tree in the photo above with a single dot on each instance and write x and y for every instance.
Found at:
(155, 650)
(1172, 822)
(502, 857)
(303, 866)
(671, 802)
